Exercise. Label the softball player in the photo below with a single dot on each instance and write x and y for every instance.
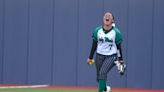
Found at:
(107, 44)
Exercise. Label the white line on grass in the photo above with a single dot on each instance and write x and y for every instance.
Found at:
(30, 86)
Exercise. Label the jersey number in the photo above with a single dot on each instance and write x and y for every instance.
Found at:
(110, 46)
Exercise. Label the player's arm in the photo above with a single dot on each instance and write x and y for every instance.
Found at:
(92, 51)
(94, 45)
(119, 63)
(118, 41)
(119, 52)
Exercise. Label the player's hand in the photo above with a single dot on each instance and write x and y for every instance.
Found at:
(90, 61)
(121, 67)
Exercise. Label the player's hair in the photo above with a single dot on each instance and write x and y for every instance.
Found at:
(112, 15)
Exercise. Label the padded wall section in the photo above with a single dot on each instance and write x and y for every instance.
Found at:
(40, 41)
(15, 41)
(158, 45)
(140, 39)
(65, 42)
(1, 38)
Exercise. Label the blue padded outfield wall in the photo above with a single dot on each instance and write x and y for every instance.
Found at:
(48, 41)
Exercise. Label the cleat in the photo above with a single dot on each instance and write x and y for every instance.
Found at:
(107, 89)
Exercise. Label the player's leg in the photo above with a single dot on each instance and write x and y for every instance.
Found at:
(99, 62)
(107, 65)
(105, 68)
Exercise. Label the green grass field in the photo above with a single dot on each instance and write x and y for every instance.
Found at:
(62, 90)
(70, 89)
(42, 90)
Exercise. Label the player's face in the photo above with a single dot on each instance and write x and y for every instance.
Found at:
(108, 19)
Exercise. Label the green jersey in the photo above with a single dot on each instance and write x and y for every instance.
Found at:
(107, 40)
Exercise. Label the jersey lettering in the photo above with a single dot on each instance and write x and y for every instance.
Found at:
(108, 40)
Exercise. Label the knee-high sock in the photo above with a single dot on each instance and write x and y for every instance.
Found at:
(102, 85)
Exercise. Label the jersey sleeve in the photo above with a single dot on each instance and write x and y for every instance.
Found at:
(94, 34)
(118, 38)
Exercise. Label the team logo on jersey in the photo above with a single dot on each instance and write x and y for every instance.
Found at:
(105, 39)
(108, 40)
